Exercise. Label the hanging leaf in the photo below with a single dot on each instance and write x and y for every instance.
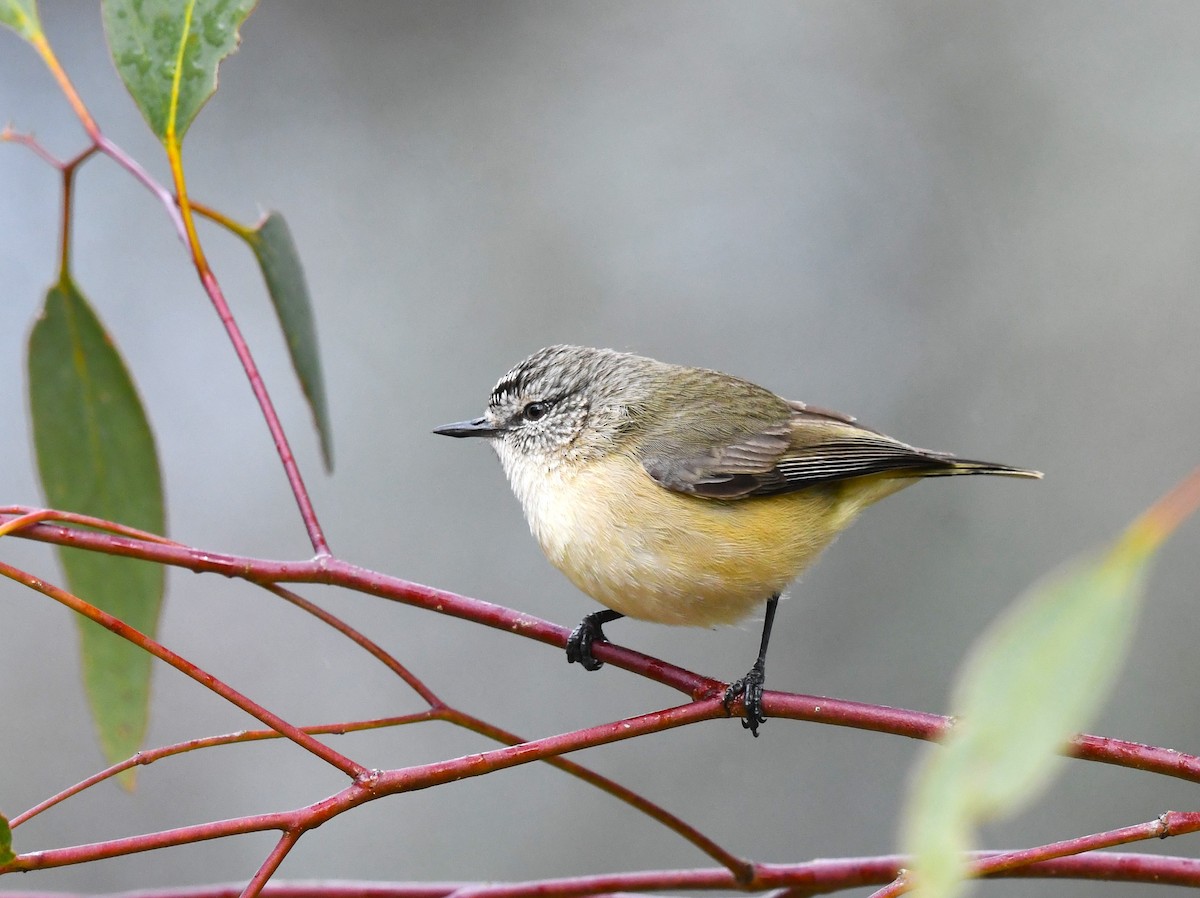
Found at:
(96, 456)
(276, 252)
(168, 51)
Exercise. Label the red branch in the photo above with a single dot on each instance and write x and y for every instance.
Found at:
(706, 704)
(1172, 823)
(263, 876)
(149, 756)
(373, 786)
(259, 387)
(801, 880)
(438, 709)
(818, 709)
(823, 876)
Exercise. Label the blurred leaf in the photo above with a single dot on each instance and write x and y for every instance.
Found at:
(937, 828)
(6, 852)
(21, 16)
(1033, 681)
(1043, 671)
(168, 51)
(96, 456)
(276, 251)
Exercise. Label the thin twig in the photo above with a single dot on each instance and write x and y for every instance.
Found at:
(158, 650)
(241, 348)
(148, 756)
(263, 876)
(27, 517)
(1172, 823)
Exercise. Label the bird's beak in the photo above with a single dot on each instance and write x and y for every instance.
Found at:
(477, 427)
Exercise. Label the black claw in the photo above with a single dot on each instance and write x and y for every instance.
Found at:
(750, 690)
(590, 629)
(579, 645)
(750, 687)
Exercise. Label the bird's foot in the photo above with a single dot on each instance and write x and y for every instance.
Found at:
(579, 643)
(750, 690)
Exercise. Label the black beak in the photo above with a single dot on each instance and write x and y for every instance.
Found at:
(477, 427)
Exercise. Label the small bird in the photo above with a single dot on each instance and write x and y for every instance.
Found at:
(682, 495)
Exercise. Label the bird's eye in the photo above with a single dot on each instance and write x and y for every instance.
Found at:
(535, 411)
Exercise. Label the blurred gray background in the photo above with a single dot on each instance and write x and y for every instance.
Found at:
(974, 225)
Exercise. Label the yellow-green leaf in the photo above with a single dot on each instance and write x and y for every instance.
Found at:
(168, 51)
(96, 455)
(276, 252)
(6, 852)
(1032, 682)
(937, 829)
(22, 17)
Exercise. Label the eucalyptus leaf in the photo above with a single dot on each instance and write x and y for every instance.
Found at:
(276, 252)
(1034, 680)
(96, 455)
(168, 51)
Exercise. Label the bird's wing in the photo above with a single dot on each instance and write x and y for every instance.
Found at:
(803, 447)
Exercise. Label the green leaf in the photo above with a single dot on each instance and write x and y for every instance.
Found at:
(168, 51)
(96, 456)
(276, 252)
(22, 17)
(1033, 681)
(937, 828)
(6, 852)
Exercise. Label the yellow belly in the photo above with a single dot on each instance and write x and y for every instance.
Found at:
(658, 555)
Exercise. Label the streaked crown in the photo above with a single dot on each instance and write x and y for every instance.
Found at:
(566, 403)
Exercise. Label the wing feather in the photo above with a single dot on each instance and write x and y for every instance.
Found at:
(804, 447)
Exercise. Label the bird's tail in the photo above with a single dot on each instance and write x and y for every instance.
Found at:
(943, 465)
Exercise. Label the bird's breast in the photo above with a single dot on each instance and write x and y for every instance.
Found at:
(659, 555)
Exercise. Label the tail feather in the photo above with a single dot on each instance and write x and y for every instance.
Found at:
(950, 466)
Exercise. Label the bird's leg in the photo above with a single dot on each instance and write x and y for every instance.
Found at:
(750, 687)
(579, 643)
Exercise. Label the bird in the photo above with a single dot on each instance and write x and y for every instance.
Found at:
(682, 495)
